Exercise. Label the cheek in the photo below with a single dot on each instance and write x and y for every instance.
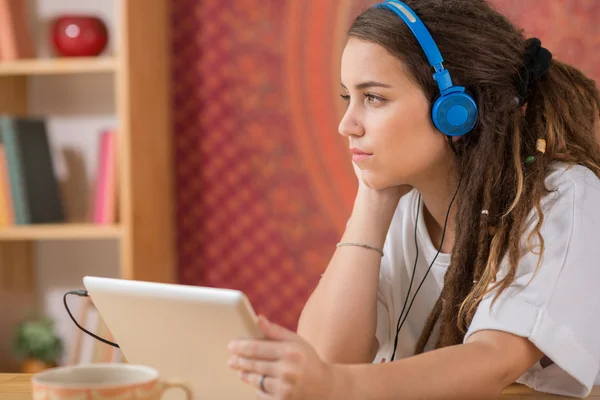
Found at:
(407, 147)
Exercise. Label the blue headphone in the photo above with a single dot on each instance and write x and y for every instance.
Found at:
(454, 112)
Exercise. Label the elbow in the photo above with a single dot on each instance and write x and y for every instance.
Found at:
(338, 357)
(332, 351)
(494, 391)
(334, 345)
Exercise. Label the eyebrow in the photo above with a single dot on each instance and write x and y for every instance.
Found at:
(369, 84)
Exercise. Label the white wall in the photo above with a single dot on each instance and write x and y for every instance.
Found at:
(78, 109)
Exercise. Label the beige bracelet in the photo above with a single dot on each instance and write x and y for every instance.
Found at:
(366, 246)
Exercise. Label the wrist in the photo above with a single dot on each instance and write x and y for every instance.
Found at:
(378, 202)
(372, 214)
(342, 387)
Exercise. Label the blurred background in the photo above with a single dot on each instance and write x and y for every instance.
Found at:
(188, 141)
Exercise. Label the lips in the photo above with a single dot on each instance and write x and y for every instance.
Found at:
(359, 155)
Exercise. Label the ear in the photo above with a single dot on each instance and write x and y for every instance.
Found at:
(451, 141)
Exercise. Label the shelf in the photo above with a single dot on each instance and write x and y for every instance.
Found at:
(60, 232)
(58, 66)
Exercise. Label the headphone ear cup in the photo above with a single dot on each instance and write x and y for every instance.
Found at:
(455, 112)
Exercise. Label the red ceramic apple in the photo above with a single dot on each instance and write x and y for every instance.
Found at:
(79, 35)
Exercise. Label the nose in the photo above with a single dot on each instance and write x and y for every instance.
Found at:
(350, 125)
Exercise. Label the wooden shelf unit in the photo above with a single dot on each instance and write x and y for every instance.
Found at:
(141, 70)
(58, 66)
(60, 232)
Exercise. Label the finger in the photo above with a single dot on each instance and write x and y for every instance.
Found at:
(254, 366)
(265, 396)
(276, 332)
(260, 349)
(268, 385)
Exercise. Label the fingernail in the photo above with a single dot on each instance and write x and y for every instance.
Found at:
(231, 346)
(231, 361)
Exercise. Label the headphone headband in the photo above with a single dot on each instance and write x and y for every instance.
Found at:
(418, 29)
(421, 33)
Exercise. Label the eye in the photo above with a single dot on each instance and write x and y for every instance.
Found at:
(373, 99)
(345, 97)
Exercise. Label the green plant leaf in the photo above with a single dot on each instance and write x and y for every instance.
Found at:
(37, 339)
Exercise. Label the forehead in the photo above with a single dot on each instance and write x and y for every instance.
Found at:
(362, 61)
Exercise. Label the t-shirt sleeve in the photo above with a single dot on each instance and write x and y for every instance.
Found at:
(557, 308)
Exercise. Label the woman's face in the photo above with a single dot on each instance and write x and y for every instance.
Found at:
(388, 119)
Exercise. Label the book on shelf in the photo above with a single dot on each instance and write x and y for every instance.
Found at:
(104, 205)
(6, 207)
(30, 192)
(15, 36)
(34, 191)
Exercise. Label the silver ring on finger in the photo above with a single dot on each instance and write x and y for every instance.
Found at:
(261, 384)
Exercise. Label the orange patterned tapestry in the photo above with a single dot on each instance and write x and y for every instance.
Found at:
(264, 182)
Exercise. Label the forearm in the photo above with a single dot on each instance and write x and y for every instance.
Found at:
(339, 319)
(462, 372)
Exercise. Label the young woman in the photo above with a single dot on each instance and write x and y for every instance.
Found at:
(470, 260)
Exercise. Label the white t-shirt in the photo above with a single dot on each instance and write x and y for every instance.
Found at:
(559, 311)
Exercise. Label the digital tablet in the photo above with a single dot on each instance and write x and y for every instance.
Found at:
(182, 331)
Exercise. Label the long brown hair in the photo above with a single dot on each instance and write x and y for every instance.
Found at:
(485, 53)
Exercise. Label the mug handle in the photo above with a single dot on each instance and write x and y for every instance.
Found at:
(172, 384)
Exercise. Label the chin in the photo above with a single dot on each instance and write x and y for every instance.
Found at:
(377, 183)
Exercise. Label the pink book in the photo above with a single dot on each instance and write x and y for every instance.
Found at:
(100, 182)
(110, 203)
(105, 192)
(15, 36)
(6, 206)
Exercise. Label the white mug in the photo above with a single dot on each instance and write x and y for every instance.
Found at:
(106, 381)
